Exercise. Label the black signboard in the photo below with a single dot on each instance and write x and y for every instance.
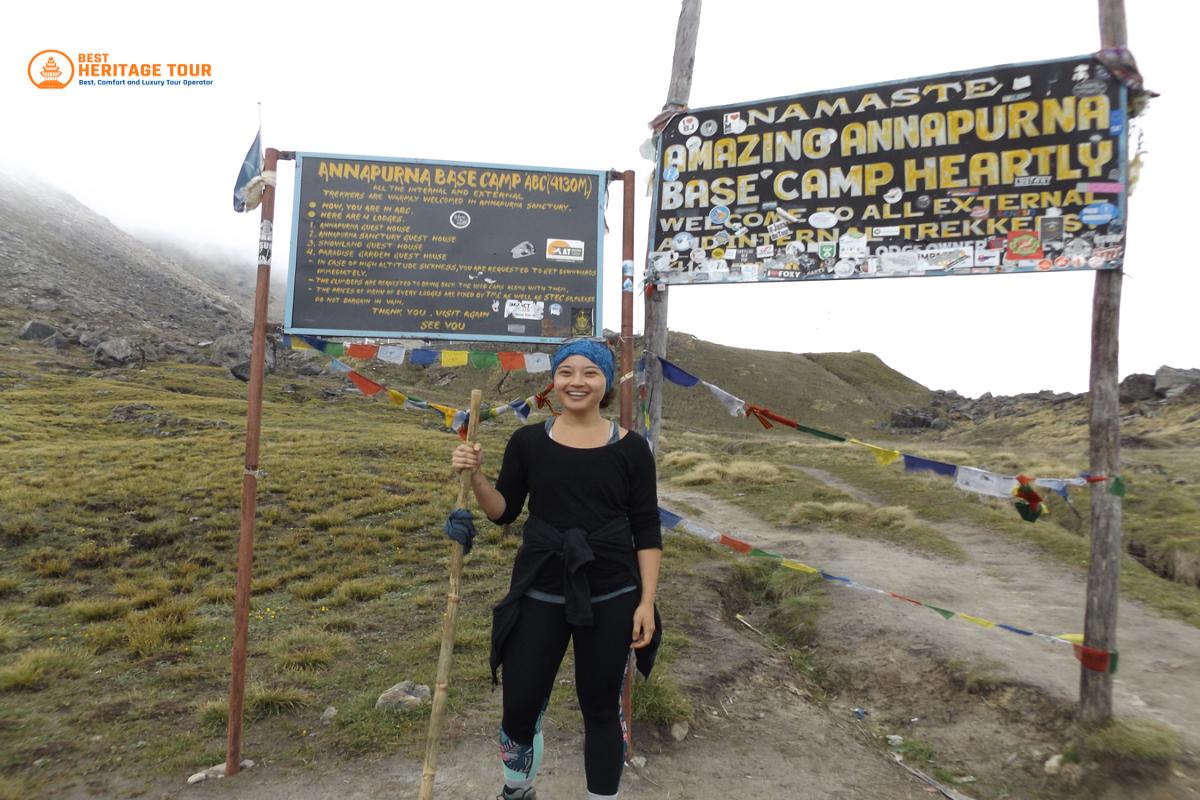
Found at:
(394, 248)
(1017, 168)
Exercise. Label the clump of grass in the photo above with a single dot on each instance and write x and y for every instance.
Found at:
(96, 610)
(219, 592)
(701, 474)
(54, 594)
(8, 585)
(1136, 741)
(8, 635)
(797, 598)
(92, 555)
(685, 459)
(917, 752)
(307, 649)
(15, 789)
(897, 524)
(47, 562)
(261, 702)
(34, 668)
(151, 631)
(361, 591)
(316, 588)
(658, 699)
(753, 472)
(143, 593)
(19, 528)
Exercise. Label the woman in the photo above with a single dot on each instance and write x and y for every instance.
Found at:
(587, 569)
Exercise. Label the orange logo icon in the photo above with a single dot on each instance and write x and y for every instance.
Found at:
(51, 69)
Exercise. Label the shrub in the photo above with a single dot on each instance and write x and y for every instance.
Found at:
(95, 610)
(34, 668)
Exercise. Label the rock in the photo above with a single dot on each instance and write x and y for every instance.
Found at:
(36, 331)
(1072, 775)
(638, 762)
(41, 762)
(403, 697)
(58, 341)
(1137, 387)
(894, 740)
(43, 304)
(1169, 381)
(327, 716)
(197, 778)
(679, 731)
(910, 417)
(1053, 764)
(91, 339)
(114, 353)
(233, 350)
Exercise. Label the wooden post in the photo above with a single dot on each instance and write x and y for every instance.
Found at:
(627, 386)
(449, 623)
(241, 609)
(1104, 428)
(678, 92)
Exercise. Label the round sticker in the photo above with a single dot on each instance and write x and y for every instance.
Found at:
(737, 125)
(1095, 262)
(1061, 262)
(1045, 264)
(718, 253)
(1077, 248)
(979, 212)
(688, 125)
(1098, 213)
(823, 219)
(460, 219)
(683, 241)
(893, 194)
(829, 136)
(844, 268)
(671, 173)
(698, 256)
(923, 201)
(708, 127)
(718, 215)
(693, 143)
(794, 249)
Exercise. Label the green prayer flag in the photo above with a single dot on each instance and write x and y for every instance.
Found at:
(1117, 487)
(1113, 657)
(945, 614)
(763, 554)
(335, 349)
(484, 360)
(833, 437)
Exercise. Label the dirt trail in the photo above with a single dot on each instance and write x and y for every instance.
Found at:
(755, 733)
(1000, 580)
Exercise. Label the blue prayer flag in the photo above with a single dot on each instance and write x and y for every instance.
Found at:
(677, 376)
(338, 367)
(251, 168)
(668, 519)
(917, 464)
(422, 357)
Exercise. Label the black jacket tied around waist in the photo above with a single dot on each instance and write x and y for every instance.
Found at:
(578, 548)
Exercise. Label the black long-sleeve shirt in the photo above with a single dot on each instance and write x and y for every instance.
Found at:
(574, 487)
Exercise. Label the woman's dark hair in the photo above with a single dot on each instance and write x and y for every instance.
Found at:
(606, 401)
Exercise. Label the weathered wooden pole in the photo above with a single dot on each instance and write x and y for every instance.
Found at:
(678, 92)
(250, 473)
(627, 385)
(1104, 428)
(449, 623)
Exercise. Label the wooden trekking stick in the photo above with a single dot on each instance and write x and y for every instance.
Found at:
(449, 623)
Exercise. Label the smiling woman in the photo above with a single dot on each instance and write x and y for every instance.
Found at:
(586, 572)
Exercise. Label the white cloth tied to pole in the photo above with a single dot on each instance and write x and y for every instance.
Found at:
(255, 188)
(983, 482)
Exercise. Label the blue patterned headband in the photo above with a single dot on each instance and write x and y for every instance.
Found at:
(597, 353)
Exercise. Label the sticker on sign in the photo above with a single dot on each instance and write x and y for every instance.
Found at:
(523, 309)
(564, 250)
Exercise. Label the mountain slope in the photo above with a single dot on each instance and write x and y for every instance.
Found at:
(63, 262)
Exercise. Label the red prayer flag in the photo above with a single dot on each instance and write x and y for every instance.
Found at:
(906, 599)
(365, 385)
(511, 361)
(362, 350)
(736, 544)
(1093, 659)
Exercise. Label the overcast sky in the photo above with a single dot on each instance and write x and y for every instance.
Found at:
(569, 84)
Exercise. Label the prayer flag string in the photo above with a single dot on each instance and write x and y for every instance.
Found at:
(1094, 659)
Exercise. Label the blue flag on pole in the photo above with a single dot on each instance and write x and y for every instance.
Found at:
(251, 168)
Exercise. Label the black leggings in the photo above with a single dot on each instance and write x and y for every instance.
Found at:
(532, 655)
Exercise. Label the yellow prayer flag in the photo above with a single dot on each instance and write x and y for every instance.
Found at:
(1073, 638)
(447, 412)
(796, 565)
(983, 623)
(455, 358)
(399, 398)
(883, 456)
(299, 344)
